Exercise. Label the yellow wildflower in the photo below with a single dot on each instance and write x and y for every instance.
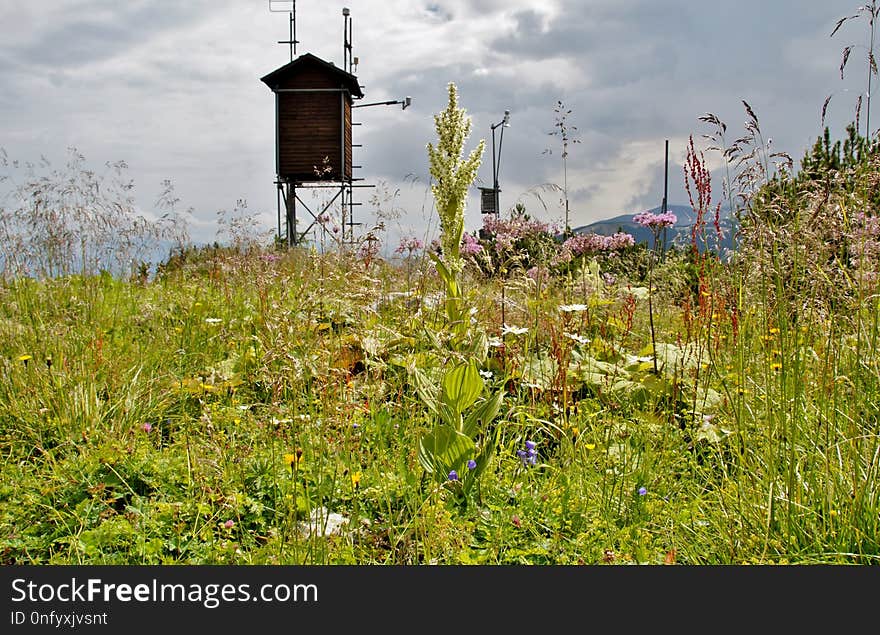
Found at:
(292, 460)
(355, 479)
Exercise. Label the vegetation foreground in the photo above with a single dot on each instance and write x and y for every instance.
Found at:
(504, 397)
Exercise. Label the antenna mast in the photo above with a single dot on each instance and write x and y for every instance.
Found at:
(665, 207)
(288, 6)
(347, 43)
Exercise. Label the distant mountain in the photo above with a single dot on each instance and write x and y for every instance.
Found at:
(678, 234)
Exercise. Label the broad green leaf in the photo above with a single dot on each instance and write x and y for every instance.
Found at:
(672, 359)
(449, 415)
(710, 399)
(540, 371)
(483, 414)
(482, 460)
(480, 345)
(443, 450)
(441, 268)
(710, 432)
(461, 386)
(425, 389)
(447, 276)
(639, 293)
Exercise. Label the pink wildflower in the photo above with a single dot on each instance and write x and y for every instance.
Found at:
(469, 245)
(409, 244)
(655, 222)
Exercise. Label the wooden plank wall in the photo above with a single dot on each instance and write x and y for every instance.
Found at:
(309, 131)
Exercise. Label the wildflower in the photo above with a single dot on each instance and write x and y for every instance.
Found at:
(453, 475)
(516, 521)
(538, 274)
(355, 479)
(469, 245)
(486, 374)
(213, 320)
(590, 446)
(25, 359)
(452, 174)
(580, 339)
(776, 367)
(529, 456)
(643, 490)
(292, 460)
(229, 524)
(409, 245)
(655, 222)
(513, 330)
(572, 308)
(472, 465)
(147, 427)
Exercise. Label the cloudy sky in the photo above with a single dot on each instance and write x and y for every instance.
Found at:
(172, 87)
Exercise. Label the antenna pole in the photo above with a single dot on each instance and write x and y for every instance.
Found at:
(293, 31)
(665, 193)
(346, 44)
(291, 41)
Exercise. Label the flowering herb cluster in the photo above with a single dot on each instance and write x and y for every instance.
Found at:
(507, 232)
(470, 246)
(409, 245)
(590, 244)
(655, 222)
(528, 455)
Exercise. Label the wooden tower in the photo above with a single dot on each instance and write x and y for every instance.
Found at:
(313, 140)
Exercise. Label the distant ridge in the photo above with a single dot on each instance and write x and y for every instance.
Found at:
(679, 234)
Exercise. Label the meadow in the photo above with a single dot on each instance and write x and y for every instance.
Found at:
(518, 395)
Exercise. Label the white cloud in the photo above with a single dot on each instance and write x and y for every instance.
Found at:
(173, 88)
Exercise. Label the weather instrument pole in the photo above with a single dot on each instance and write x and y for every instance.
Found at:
(664, 207)
(504, 123)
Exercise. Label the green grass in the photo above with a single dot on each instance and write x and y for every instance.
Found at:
(157, 422)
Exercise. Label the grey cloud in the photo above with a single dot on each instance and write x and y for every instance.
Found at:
(88, 38)
(643, 71)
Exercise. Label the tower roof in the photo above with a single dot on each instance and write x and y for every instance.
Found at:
(274, 79)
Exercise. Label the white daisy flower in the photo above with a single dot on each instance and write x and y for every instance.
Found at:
(573, 308)
(580, 339)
